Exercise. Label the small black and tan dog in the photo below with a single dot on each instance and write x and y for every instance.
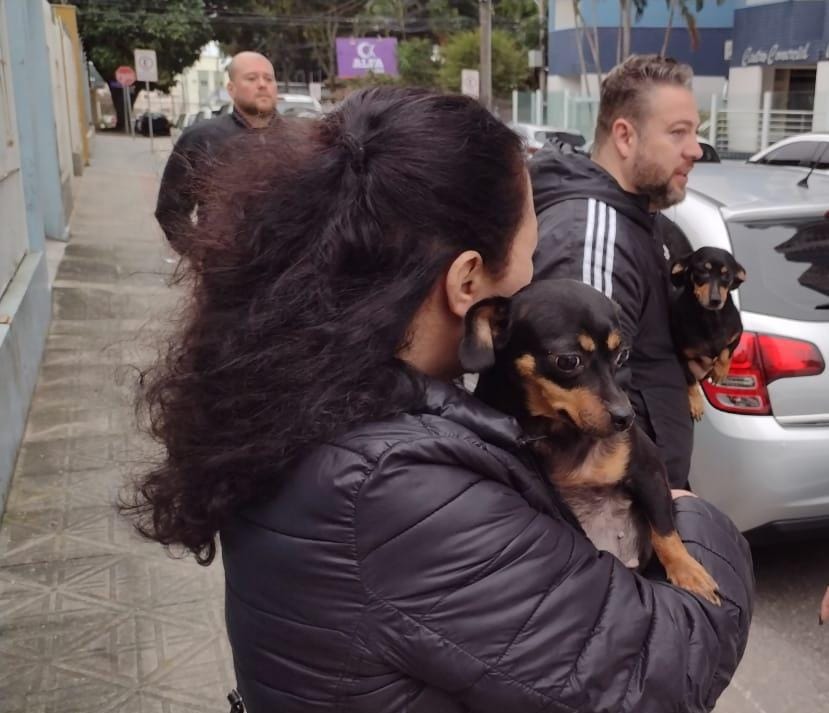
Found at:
(549, 356)
(705, 324)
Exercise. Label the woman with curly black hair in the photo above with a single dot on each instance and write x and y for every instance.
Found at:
(387, 542)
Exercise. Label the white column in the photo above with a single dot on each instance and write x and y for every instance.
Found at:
(820, 120)
(745, 96)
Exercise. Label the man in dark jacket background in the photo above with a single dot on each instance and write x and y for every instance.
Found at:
(252, 87)
(597, 223)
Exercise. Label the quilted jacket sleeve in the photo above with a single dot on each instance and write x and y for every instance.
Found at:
(507, 609)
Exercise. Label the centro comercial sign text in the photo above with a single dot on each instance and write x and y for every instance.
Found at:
(775, 54)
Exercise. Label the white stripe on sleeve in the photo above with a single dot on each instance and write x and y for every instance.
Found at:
(611, 245)
(587, 264)
(598, 259)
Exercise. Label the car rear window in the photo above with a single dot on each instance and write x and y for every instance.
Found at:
(787, 264)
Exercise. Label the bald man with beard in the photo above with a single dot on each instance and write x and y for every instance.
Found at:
(252, 87)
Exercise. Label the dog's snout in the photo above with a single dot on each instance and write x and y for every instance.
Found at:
(715, 300)
(621, 417)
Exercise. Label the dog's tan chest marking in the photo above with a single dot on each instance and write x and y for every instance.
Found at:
(605, 464)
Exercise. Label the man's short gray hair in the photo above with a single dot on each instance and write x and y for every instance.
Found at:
(625, 88)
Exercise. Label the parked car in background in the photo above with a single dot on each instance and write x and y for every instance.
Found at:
(534, 135)
(160, 124)
(761, 452)
(297, 105)
(300, 105)
(801, 151)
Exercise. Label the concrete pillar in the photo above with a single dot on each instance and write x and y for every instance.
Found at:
(820, 120)
(69, 17)
(745, 96)
(47, 207)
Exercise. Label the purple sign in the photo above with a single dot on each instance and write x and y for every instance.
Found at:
(357, 56)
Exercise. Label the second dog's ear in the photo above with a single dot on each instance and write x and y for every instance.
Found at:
(678, 268)
(739, 276)
(486, 330)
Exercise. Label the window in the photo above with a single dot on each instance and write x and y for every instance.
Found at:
(787, 265)
(798, 153)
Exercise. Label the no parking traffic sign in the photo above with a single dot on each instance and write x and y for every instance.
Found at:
(146, 66)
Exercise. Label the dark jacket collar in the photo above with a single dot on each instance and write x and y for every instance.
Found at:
(459, 406)
(242, 121)
(560, 173)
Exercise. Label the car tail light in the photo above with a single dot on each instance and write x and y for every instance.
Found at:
(758, 360)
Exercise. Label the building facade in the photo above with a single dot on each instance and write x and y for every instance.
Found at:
(710, 59)
(44, 141)
(781, 59)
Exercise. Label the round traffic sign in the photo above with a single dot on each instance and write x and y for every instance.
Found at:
(125, 76)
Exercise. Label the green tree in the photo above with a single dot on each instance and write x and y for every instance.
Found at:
(463, 51)
(414, 60)
(110, 32)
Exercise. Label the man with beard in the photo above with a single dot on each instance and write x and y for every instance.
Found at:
(252, 87)
(598, 222)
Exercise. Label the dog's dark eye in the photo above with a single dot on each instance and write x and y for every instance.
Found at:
(622, 356)
(568, 362)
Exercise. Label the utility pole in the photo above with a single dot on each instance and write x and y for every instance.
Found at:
(542, 45)
(485, 7)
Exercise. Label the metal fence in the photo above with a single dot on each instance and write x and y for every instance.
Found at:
(736, 126)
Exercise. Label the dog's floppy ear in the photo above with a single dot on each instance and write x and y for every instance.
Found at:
(486, 329)
(739, 276)
(678, 270)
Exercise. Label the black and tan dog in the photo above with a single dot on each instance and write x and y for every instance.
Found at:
(549, 356)
(705, 323)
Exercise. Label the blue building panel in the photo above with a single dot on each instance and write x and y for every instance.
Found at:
(785, 33)
(707, 60)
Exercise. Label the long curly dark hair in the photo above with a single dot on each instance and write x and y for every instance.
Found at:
(314, 251)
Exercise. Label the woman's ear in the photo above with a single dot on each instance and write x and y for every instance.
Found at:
(486, 330)
(466, 282)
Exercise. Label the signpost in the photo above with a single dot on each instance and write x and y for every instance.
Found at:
(146, 67)
(125, 76)
(470, 82)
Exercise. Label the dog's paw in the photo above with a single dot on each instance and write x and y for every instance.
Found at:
(691, 575)
(722, 364)
(696, 402)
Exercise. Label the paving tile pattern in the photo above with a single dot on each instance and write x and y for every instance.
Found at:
(92, 617)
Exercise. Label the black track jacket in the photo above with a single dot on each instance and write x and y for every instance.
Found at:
(591, 230)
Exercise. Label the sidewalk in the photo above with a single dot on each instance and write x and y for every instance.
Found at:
(92, 618)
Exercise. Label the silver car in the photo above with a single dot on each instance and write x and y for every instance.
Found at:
(761, 452)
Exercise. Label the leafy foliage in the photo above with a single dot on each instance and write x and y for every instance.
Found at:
(414, 60)
(112, 29)
(509, 61)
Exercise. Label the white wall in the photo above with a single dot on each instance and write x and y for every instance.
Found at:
(704, 87)
(70, 83)
(820, 122)
(13, 237)
(745, 99)
(63, 120)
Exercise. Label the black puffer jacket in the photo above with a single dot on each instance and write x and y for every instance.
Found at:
(422, 565)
